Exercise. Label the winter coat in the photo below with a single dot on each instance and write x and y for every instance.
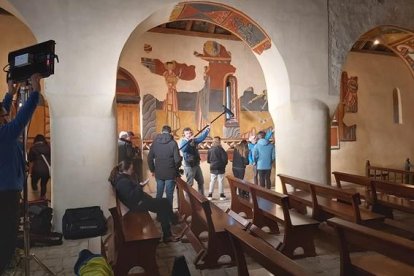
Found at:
(130, 193)
(164, 157)
(217, 158)
(240, 161)
(126, 150)
(190, 149)
(264, 154)
(39, 166)
(11, 153)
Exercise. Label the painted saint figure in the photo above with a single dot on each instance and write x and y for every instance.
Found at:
(171, 101)
(172, 72)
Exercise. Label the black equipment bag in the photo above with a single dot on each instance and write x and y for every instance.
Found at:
(40, 219)
(84, 222)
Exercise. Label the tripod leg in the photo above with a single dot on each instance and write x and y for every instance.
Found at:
(39, 262)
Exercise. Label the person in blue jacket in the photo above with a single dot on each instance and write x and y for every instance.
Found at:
(264, 155)
(12, 166)
(252, 142)
(191, 157)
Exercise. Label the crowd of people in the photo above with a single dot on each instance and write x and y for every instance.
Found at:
(164, 161)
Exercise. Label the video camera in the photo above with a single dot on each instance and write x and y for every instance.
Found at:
(39, 58)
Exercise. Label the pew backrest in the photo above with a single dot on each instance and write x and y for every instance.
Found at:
(271, 259)
(392, 246)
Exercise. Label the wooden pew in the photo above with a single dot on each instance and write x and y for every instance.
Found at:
(271, 208)
(327, 201)
(393, 255)
(238, 203)
(387, 196)
(393, 200)
(271, 259)
(207, 217)
(388, 174)
(135, 240)
(355, 183)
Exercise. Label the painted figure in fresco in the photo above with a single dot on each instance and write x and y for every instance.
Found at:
(171, 101)
(172, 72)
(203, 101)
(351, 97)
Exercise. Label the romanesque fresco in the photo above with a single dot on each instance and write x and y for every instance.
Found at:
(348, 104)
(226, 17)
(196, 109)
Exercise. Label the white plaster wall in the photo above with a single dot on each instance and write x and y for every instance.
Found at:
(379, 139)
(90, 36)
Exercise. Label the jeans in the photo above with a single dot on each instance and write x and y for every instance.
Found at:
(192, 173)
(169, 186)
(264, 178)
(163, 209)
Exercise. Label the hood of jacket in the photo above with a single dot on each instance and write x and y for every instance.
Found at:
(164, 138)
(263, 142)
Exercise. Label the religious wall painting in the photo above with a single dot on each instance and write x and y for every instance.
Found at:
(348, 104)
(405, 49)
(172, 72)
(226, 17)
(195, 109)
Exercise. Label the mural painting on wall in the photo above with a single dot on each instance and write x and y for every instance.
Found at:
(198, 108)
(405, 49)
(172, 73)
(234, 21)
(348, 104)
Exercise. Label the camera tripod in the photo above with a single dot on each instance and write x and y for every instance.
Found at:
(26, 221)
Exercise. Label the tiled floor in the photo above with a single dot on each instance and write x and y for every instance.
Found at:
(61, 259)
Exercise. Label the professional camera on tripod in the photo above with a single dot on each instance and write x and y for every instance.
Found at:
(26, 66)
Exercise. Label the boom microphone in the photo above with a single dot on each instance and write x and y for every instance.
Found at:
(228, 111)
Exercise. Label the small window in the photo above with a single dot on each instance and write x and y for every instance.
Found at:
(397, 106)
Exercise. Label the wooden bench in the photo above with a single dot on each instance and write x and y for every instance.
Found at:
(327, 201)
(135, 240)
(271, 259)
(374, 200)
(388, 254)
(354, 183)
(238, 203)
(387, 196)
(271, 208)
(388, 174)
(207, 217)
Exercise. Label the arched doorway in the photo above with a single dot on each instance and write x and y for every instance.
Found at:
(183, 79)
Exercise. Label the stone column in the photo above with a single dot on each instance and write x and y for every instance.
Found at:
(302, 144)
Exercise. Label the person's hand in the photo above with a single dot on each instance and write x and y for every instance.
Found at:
(35, 81)
(13, 87)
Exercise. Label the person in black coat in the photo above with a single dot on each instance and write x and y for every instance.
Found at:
(39, 156)
(132, 195)
(164, 160)
(240, 161)
(217, 158)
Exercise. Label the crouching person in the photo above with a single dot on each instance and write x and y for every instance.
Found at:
(132, 195)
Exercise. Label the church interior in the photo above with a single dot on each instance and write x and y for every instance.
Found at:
(333, 80)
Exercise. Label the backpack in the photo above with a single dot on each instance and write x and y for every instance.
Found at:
(40, 217)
